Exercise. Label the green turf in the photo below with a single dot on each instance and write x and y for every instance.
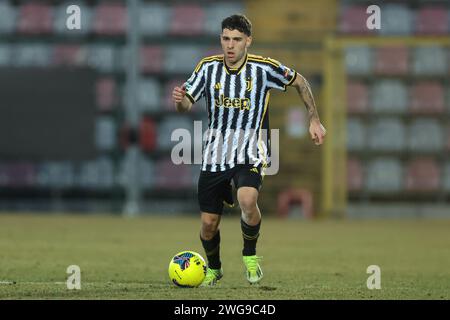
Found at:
(128, 258)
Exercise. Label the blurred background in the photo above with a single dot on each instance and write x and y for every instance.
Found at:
(86, 115)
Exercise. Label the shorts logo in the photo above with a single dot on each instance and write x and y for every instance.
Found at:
(254, 170)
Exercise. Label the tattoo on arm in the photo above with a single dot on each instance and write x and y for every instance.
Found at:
(304, 89)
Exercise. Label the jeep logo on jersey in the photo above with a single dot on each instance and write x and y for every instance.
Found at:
(227, 102)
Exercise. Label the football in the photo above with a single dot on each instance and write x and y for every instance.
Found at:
(187, 269)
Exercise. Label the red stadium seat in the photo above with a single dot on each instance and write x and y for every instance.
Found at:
(353, 20)
(69, 55)
(423, 174)
(105, 92)
(20, 174)
(289, 197)
(427, 97)
(432, 20)
(171, 176)
(110, 19)
(147, 134)
(151, 59)
(392, 60)
(357, 97)
(35, 18)
(355, 175)
(187, 20)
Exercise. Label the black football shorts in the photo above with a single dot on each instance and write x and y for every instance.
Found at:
(215, 190)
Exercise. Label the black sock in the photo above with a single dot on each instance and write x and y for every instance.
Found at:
(250, 235)
(212, 250)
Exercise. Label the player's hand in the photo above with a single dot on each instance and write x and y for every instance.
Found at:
(317, 131)
(179, 93)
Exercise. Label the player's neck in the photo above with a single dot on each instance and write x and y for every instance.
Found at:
(237, 64)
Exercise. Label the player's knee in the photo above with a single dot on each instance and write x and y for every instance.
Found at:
(248, 204)
(209, 228)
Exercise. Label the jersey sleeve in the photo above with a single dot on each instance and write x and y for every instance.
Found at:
(279, 76)
(195, 85)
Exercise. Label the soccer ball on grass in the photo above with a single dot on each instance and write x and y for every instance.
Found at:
(187, 269)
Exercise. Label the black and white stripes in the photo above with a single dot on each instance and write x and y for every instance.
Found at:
(237, 102)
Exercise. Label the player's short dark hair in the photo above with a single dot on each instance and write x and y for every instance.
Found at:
(238, 22)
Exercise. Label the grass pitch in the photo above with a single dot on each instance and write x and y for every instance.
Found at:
(128, 258)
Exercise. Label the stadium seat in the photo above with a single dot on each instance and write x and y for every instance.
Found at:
(355, 175)
(187, 20)
(353, 20)
(387, 134)
(432, 20)
(392, 60)
(19, 174)
(216, 12)
(182, 59)
(134, 168)
(154, 19)
(358, 60)
(425, 135)
(151, 59)
(447, 138)
(32, 55)
(357, 97)
(105, 89)
(356, 134)
(69, 55)
(427, 97)
(35, 18)
(87, 175)
(106, 133)
(5, 54)
(60, 19)
(110, 19)
(446, 177)
(4, 180)
(167, 126)
(290, 197)
(389, 96)
(102, 57)
(430, 60)
(384, 175)
(147, 134)
(57, 175)
(396, 19)
(149, 95)
(423, 174)
(8, 18)
(171, 176)
(97, 174)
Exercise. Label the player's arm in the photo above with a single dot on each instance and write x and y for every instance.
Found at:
(316, 129)
(182, 103)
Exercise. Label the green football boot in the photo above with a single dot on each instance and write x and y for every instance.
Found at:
(212, 277)
(253, 273)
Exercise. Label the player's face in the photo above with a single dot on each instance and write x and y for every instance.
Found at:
(234, 45)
